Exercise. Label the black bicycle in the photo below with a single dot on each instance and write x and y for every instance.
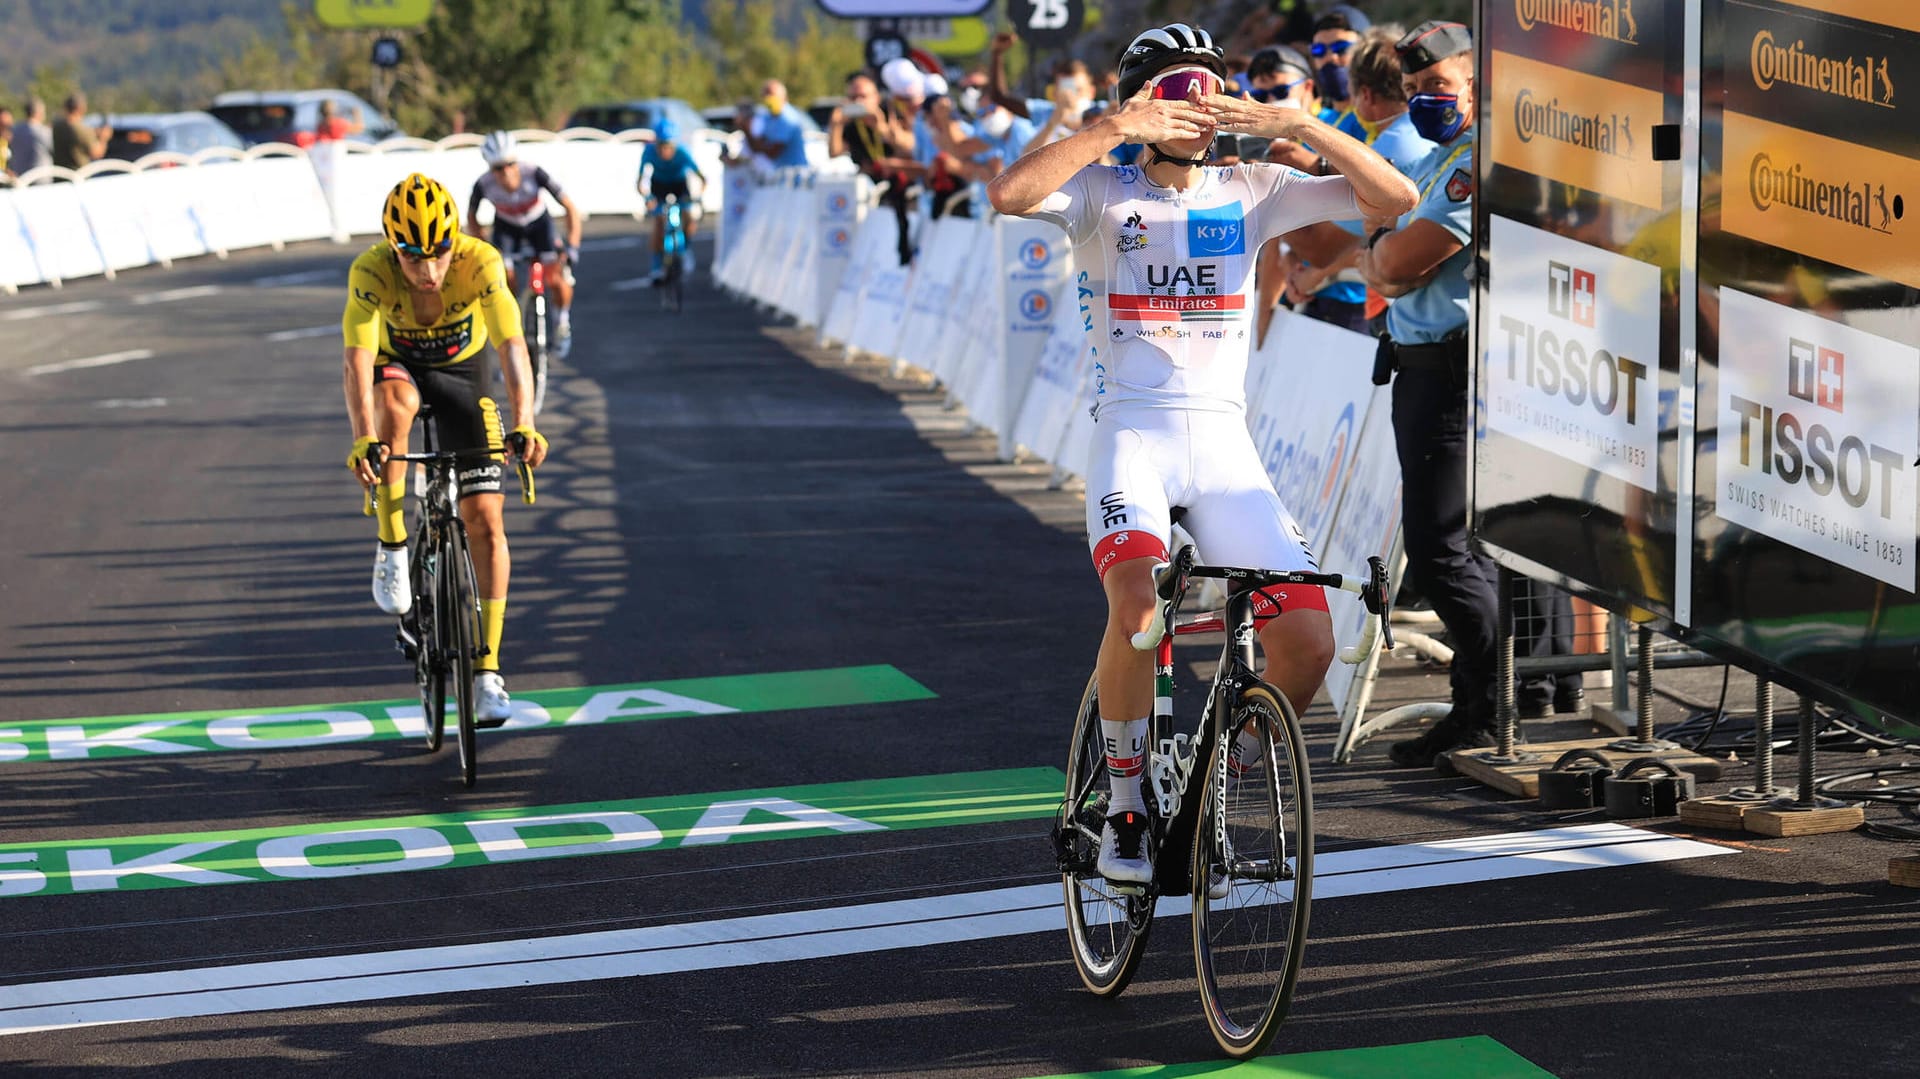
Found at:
(1243, 849)
(674, 253)
(441, 634)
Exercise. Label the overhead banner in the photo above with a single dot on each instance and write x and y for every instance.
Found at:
(903, 9)
(1572, 352)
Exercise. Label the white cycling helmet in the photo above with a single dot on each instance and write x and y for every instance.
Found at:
(501, 148)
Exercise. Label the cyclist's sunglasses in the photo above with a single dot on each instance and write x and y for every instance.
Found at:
(415, 252)
(1275, 93)
(1178, 83)
(502, 166)
(1339, 48)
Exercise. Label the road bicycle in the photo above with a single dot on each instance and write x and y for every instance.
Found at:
(1238, 840)
(673, 250)
(441, 635)
(536, 321)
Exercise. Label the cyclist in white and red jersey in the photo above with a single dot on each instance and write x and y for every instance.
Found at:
(1165, 253)
(522, 225)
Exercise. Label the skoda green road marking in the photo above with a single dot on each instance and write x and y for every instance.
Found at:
(445, 841)
(1477, 1057)
(336, 724)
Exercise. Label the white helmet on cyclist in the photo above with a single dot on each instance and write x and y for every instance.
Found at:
(501, 148)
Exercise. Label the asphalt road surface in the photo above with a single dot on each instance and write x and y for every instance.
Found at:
(796, 658)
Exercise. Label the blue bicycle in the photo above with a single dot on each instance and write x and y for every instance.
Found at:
(673, 249)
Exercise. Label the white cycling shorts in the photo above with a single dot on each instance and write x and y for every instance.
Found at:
(1147, 461)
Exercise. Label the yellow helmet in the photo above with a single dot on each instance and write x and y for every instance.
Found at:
(419, 218)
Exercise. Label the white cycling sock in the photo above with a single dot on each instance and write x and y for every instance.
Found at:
(1126, 751)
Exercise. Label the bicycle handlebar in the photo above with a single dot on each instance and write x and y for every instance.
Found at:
(521, 468)
(1170, 581)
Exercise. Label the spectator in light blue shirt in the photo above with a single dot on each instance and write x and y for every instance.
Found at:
(782, 140)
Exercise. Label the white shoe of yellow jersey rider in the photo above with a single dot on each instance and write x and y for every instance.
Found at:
(392, 592)
(491, 705)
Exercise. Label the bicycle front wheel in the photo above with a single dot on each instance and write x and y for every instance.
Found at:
(534, 325)
(462, 634)
(1253, 875)
(1106, 928)
(429, 651)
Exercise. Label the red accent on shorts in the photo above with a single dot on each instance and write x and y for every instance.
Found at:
(1292, 597)
(393, 371)
(1124, 546)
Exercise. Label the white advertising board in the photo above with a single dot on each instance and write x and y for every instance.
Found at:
(1818, 427)
(1572, 351)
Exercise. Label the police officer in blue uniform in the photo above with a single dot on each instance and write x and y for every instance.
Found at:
(1421, 262)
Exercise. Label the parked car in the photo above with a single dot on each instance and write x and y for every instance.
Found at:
(290, 116)
(135, 135)
(615, 117)
(720, 118)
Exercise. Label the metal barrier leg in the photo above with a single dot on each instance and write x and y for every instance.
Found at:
(1617, 657)
(1506, 715)
(1763, 789)
(1643, 740)
(1806, 800)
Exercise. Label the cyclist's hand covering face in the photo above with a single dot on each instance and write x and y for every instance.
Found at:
(1145, 119)
(1240, 116)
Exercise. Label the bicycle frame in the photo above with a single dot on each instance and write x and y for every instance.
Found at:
(1170, 766)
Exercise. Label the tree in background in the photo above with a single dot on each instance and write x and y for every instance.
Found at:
(751, 47)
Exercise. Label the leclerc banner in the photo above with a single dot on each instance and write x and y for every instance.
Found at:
(903, 9)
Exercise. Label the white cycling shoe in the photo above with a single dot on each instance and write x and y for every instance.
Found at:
(392, 592)
(491, 705)
(562, 338)
(1123, 849)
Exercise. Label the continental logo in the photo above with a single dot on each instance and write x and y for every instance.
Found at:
(1864, 79)
(1837, 201)
(1855, 201)
(1602, 132)
(1609, 19)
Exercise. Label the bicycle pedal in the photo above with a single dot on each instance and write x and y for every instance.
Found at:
(488, 724)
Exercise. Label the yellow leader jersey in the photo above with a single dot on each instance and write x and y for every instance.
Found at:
(379, 314)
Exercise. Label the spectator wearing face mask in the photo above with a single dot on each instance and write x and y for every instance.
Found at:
(1335, 35)
(780, 138)
(1069, 95)
(867, 132)
(997, 141)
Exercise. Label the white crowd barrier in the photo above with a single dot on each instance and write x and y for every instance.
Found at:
(57, 225)
(994, 310)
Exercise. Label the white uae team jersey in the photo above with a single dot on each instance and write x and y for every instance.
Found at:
(1167, 276)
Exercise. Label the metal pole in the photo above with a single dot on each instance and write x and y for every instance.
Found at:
(1503, 670)
(1644, 698)
(1763, 737)
(1806, 798)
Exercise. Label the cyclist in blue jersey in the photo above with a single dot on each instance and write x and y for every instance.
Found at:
(667, 168)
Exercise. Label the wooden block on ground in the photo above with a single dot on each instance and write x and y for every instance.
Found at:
(1722, 813)
(1606, 715)
(1904, 871)
(1523, 778)
(1788, 822)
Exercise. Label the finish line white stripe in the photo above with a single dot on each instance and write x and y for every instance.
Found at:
(768, 938)
(304, 331)
(107, 360)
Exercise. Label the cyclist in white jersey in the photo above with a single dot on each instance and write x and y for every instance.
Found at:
(1165, 253)
(522, 225)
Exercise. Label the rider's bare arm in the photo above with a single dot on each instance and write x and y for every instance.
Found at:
(1021, 189)
(1379, 189)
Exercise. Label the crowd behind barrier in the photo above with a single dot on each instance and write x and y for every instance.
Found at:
(994, 310)
(56, 224)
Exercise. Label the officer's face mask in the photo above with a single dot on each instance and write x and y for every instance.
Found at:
(1437, 117)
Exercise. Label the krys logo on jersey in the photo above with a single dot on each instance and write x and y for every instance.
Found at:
(1572, 351)
(1818, 424)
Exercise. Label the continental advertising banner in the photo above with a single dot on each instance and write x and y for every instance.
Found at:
(1571, 352)
(1588, 132)
(1818, 424)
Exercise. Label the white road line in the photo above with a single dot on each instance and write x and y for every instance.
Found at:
(191, 292)
(304, 277)
(614, 243)
(107, 360)
(769, 938)
(71, 308)
(630, 284)
(304, 331)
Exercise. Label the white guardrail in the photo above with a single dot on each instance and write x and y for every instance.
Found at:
(994, 310)
(56, 225)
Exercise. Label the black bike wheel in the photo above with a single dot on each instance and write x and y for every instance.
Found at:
(1256, 831)
(429, 658)
(534, 326)
(1106, 929)
(463, 634)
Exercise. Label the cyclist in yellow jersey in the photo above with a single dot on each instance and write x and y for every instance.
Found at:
(421, 306)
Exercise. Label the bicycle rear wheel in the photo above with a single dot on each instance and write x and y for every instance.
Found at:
(1256, 830)
(534, 325)
(429, 653)
(462, 633)
(1106, 928)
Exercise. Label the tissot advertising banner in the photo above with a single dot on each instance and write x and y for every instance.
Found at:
(1818, 425)
(1571, 351)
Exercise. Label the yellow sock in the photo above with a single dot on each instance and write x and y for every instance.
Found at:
(389, 505)
(493, 620)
